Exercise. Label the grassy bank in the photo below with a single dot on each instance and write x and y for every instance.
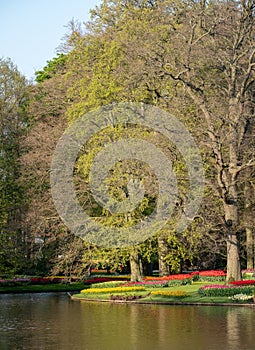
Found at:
(188, 295)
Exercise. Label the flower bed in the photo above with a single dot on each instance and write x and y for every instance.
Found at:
(203, 276)
(241, 297)
(209, 275)
(109, 284)
(173, 293)
(112, 290)
(151, 284)
(169, 277)
(225, 290)
(248, 273)
(243, 283)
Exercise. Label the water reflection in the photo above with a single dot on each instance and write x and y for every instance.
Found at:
(53, 321)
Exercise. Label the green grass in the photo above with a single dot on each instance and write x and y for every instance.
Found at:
(43, 288)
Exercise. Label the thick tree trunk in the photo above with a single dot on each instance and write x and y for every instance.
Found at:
(162, 253)
(231, 194)
(250, 248)
(233, 256)
(136, 266)
(233, 261)
(248, 220)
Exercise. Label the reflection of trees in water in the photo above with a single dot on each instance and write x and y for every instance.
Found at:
(233, 329)
(240, 327)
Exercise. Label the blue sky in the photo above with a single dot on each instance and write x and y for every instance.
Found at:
(31, 30)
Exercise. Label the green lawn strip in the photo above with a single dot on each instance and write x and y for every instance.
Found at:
(194, 297)
(43, 288)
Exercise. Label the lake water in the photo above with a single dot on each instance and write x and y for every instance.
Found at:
(53, 321)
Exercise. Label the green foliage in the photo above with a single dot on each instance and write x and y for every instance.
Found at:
(185, 281)
(221, 291)
(173, 54)
(212, 278)
(56, 65)
(108, 284)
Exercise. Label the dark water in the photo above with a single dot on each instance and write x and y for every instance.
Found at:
(53, 321)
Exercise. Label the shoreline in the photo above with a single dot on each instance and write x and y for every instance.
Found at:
(174, 303)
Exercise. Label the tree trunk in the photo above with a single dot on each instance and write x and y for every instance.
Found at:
(231, 196)
(233, 257)
(248, 220)
(250, 248)
(162, 253)
(136, 266)
(233, 261)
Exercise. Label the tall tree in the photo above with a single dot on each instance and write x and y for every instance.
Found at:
(47, 106)
(13, 123)
(207, 49)
(215, 65)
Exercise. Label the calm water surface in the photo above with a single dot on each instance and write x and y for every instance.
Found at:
(53, 321)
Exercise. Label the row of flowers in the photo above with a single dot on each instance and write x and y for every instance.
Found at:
(215, 290)
(173, 293)
(58, 279)
(241, 297)
(169, 277)
(161, 282)
(112, 290)
(243, 283)
(210, 273)
(203, 276)
(32, 280)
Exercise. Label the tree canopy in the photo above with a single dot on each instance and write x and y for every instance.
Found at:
(193, 59)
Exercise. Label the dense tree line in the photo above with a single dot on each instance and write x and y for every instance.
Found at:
(194, 59)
